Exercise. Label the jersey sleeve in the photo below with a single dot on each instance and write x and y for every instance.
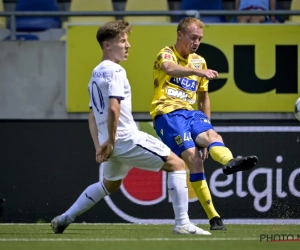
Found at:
(115, 79)
(165, 55)
(203, 82)
(90, 102)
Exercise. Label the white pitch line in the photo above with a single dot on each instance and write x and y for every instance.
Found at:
(168, 222)
(125, 239)
(257, 128)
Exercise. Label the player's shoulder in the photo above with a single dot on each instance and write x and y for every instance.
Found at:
(109, 67)
(166, 49)
(165, 53)
(195, 58)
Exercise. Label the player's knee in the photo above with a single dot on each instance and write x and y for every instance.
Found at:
(173, 163)
(112, 186)
(214, 136)
(193, 159)
(180, 165)
(196, 166)
(219, 138)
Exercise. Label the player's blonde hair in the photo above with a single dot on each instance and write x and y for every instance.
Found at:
(111, 30)
(185, 22)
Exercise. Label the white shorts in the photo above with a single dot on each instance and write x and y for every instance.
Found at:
(143, 151)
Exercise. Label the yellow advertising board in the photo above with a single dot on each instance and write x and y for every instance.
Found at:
(258, 65)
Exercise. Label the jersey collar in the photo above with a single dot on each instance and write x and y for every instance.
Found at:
(179, 56)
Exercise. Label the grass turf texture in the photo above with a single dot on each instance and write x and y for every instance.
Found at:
(144, 237)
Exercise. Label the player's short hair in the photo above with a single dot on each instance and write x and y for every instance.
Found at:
(111, 30)
(185, 22)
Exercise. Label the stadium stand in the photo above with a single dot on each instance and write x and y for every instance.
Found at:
(146, 5)
(53, 30)
(24, 37)
(204, 5)
(36, 24)
(91, 5)
(295, 5)
(2, 19)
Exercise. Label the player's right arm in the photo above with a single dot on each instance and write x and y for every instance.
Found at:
(93, 129)
(175, 70)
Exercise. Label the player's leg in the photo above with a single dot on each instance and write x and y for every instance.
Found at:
(179, 195)
(89, 197)
(113, 175)
(198, 181)
(176, 134)
(208, 137)
(151, 154)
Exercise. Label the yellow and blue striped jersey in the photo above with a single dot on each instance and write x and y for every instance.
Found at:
(172, 93)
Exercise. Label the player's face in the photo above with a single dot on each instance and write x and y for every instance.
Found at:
(190, 39)
(119, 47)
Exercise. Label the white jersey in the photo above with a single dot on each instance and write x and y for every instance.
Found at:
(109, 80)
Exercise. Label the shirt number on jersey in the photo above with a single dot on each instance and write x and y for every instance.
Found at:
(187, 136)
(97, 98)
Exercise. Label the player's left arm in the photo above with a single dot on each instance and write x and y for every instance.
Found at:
(114, 79)
(203, 102)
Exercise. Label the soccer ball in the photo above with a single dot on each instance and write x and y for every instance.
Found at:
(297, 109)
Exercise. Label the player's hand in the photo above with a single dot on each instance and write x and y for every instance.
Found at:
(104, 152)
(98, 152)
(204, 155)
(208, 73)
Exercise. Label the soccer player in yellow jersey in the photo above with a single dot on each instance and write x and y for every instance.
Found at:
(180, 78)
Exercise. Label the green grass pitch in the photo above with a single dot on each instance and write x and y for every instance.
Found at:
(144, 237)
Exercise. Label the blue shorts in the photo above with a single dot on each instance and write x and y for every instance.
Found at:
(179, 129)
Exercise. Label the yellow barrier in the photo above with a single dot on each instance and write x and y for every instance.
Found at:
(258, 65)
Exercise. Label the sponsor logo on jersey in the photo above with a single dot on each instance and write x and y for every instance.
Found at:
(197, 65)
(97, 74)
(167, 56)
(184, 83)
(178, 139)
(179, 94)
(197, 60)
(167, 50)
(205, 120)
(102, 123)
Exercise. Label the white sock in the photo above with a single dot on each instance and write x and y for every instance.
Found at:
(178, 191)
(90, 196)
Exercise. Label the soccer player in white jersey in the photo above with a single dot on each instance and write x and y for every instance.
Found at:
(118, 143)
